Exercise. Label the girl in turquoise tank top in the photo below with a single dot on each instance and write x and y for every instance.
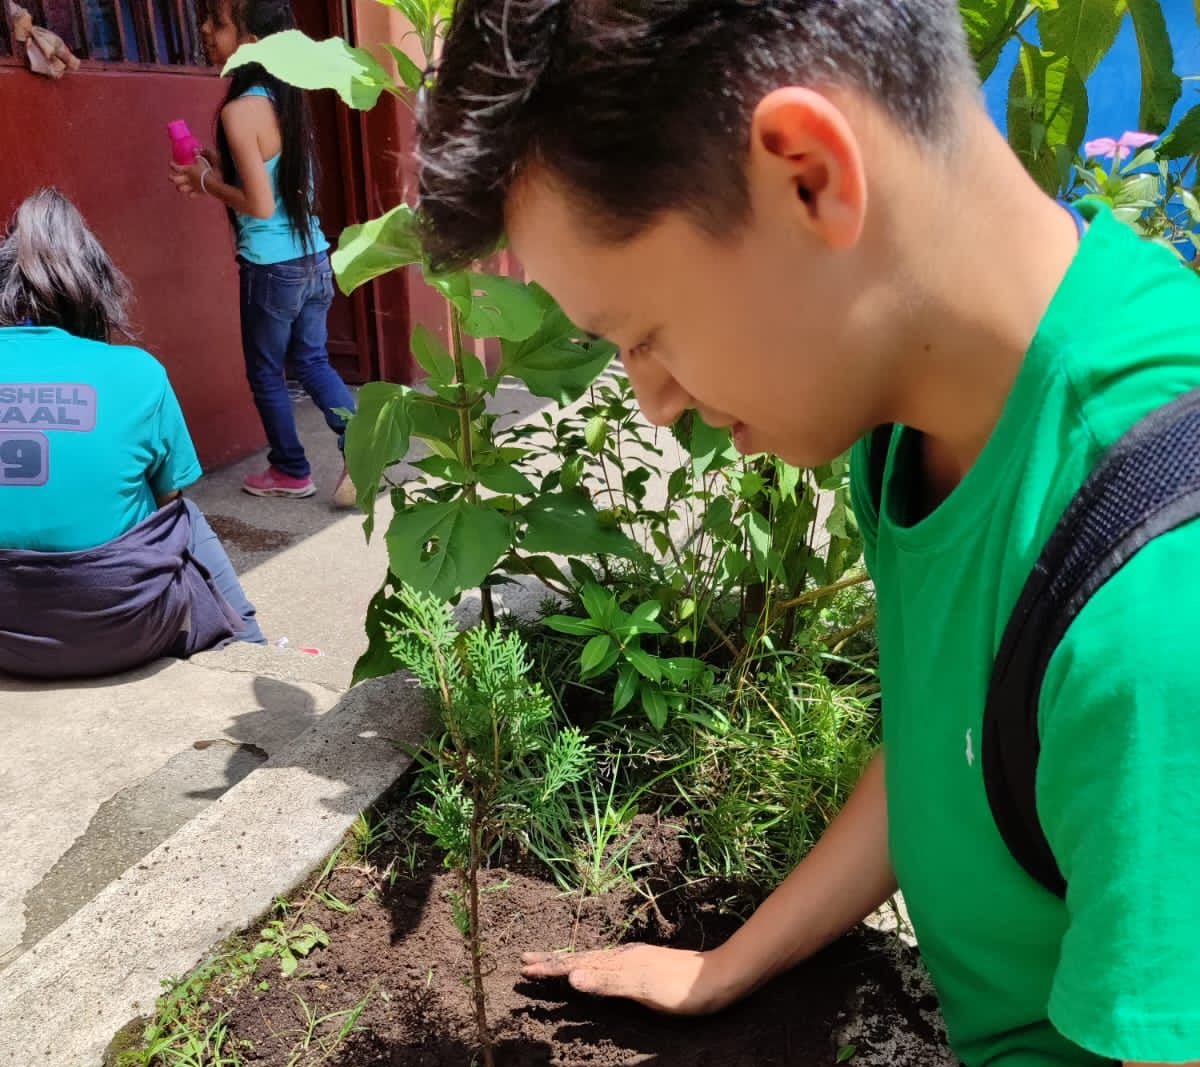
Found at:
(264, 171)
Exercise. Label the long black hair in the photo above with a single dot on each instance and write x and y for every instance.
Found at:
(297, 174)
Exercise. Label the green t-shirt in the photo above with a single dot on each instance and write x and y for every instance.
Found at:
(1024, 979)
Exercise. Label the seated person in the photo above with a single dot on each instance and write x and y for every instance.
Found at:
(103, 565)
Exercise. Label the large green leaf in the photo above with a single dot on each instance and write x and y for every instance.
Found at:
(378, 659)
(294, 57)
(1047, 114)
(373, 248)
(1161, 86)
(435, 424)
(554, 362)
(989, 25)
(410, 74)
(1081, 30)
(568, 525)
(1184, 139)
(444, 548)
(710, 447)
(376, 437)
(758, 534)
(431, 354)
(491, 305)
(502, 478)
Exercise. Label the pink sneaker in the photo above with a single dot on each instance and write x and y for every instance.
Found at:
(274, 482)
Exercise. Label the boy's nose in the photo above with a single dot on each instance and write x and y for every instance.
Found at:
(661, 398)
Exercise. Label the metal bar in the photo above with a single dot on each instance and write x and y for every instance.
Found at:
(151, 26)
(180, 36)
(6, 34)
(81, 34)
(122, 36)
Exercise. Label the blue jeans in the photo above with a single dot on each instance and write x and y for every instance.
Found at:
(208, 550)
(284, 310)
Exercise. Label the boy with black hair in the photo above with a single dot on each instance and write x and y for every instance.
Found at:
(795, 217)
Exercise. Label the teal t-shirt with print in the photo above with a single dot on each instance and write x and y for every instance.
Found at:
(91, 434)
(1026, 980)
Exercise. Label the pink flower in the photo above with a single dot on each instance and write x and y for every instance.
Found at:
(1129, 140)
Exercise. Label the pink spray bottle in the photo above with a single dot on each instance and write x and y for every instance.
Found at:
(184, 145)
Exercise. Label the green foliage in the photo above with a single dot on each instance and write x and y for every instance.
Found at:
(187, 1029)
(317, 1037)
(605, 839)
(990, 24)
(1062, 43)
(500, 766)
(1047, 114)
(292, 56)
(501, 762)
(1161, 86)
(429, 19)
(1147, 192)
(279, 941)
(729, 548)
(1081, 31)
(768, 776)
(552, 361)
(614, 640)
(374, 248)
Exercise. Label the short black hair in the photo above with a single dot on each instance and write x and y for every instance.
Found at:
(642, 106)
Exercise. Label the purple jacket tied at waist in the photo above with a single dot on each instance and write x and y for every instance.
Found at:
(110, 608)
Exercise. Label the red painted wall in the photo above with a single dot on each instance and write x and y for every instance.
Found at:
(100, 136)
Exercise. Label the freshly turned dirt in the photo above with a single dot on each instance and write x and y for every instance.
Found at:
(399, 948)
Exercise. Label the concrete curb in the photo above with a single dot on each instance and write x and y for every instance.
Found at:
(282, 664)
(214, 876)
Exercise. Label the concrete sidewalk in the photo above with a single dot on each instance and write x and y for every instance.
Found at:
(149, 815)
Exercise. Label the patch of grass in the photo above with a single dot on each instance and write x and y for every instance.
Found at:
(318, 1037)
(187, 1029)
(367, 833)
(774, 771)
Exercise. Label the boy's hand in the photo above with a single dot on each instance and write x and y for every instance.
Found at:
(666, 979)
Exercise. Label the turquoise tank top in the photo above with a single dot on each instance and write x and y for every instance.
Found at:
(272, 240)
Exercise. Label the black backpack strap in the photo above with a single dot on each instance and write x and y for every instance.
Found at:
(877, 455)
(1146, 484)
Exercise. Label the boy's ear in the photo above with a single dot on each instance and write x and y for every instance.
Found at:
(803, 147)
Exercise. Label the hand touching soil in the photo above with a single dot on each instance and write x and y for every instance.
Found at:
(677, 981)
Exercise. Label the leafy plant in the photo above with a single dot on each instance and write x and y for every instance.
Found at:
(319, 1037)
(734, 551)
(278, 940)
(614, 637)
(187, 1030)
(500, 763)
(1061, 44)
(1148, 190)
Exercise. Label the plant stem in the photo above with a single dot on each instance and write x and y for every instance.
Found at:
(487, 607)
(473, 865)
(836, 640)
(826, 590)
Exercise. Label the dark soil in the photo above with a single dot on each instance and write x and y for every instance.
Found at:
(246, 537)
(399, 948)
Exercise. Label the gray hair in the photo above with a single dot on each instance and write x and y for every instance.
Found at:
(54, 272)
